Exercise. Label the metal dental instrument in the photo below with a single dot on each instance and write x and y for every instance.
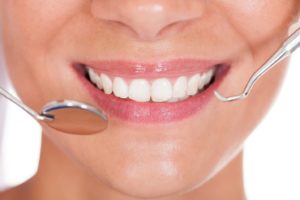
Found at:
(288, 47)
(68, 116)
(79, 118)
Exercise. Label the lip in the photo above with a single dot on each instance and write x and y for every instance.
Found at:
(149, 112)
(172, 68)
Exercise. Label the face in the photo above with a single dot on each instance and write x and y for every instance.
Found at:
(160, 50)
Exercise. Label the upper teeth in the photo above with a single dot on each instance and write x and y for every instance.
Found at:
(158, 90)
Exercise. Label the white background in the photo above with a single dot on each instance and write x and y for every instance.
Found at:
(272, 156)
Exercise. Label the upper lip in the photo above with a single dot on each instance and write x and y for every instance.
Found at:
(132, 69)
(148, 111)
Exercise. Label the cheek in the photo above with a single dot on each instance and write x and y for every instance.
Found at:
(37, 20)
(30, 27)
(239, 119)
(191, 151)
(259, 20)
(28, 30)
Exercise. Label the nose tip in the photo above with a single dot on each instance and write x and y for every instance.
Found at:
(148, 18)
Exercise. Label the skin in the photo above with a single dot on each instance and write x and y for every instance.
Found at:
(179, 160)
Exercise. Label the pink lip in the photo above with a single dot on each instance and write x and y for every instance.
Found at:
(149, 70)
(136, 112)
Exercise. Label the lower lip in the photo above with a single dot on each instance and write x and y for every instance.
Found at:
(136, 112)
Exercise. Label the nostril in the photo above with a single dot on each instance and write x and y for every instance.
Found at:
(149, 19)
(173, 27)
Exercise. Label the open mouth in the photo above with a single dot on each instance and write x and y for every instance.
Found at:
(162, 96)
(154, 90)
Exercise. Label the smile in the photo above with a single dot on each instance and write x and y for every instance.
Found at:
(149, 93)
(158, 90)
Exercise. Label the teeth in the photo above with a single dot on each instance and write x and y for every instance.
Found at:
(92, 74)
(159, 90)
(193, 85)
(95, 78)
(208, 76)
(201, 83)
(99, 82)
(120, 88)
(205, 79)
(180, 88)
(139, 90)
(106, 83)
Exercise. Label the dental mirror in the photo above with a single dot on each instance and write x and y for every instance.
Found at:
(69, 116)
(74, 117)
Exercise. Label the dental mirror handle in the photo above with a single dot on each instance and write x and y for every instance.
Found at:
(17, 102)
(288, 47)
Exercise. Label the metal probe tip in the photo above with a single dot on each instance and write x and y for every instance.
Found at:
(288, 47)
(229, 99)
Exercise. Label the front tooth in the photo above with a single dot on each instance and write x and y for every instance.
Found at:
(193, 85)
(161, 90)
(120, 88)
(106, 83)
(139, 90)
(180, 88)
(172, 100)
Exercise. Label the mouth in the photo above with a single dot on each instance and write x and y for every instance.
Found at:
(151, 93)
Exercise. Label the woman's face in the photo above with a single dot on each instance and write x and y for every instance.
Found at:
(157, 49)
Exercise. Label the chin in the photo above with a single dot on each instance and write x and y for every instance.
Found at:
(159, 180)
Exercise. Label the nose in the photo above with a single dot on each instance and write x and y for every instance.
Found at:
(149, 18)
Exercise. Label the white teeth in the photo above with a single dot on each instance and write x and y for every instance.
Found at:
(99, 82)
(106, 83)
(93, 76)
(120, 88)
(139, 90)
(201, 83)
(208, 76)
(193, 85)
(161, 90)
(205, 79)
(180, 88)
